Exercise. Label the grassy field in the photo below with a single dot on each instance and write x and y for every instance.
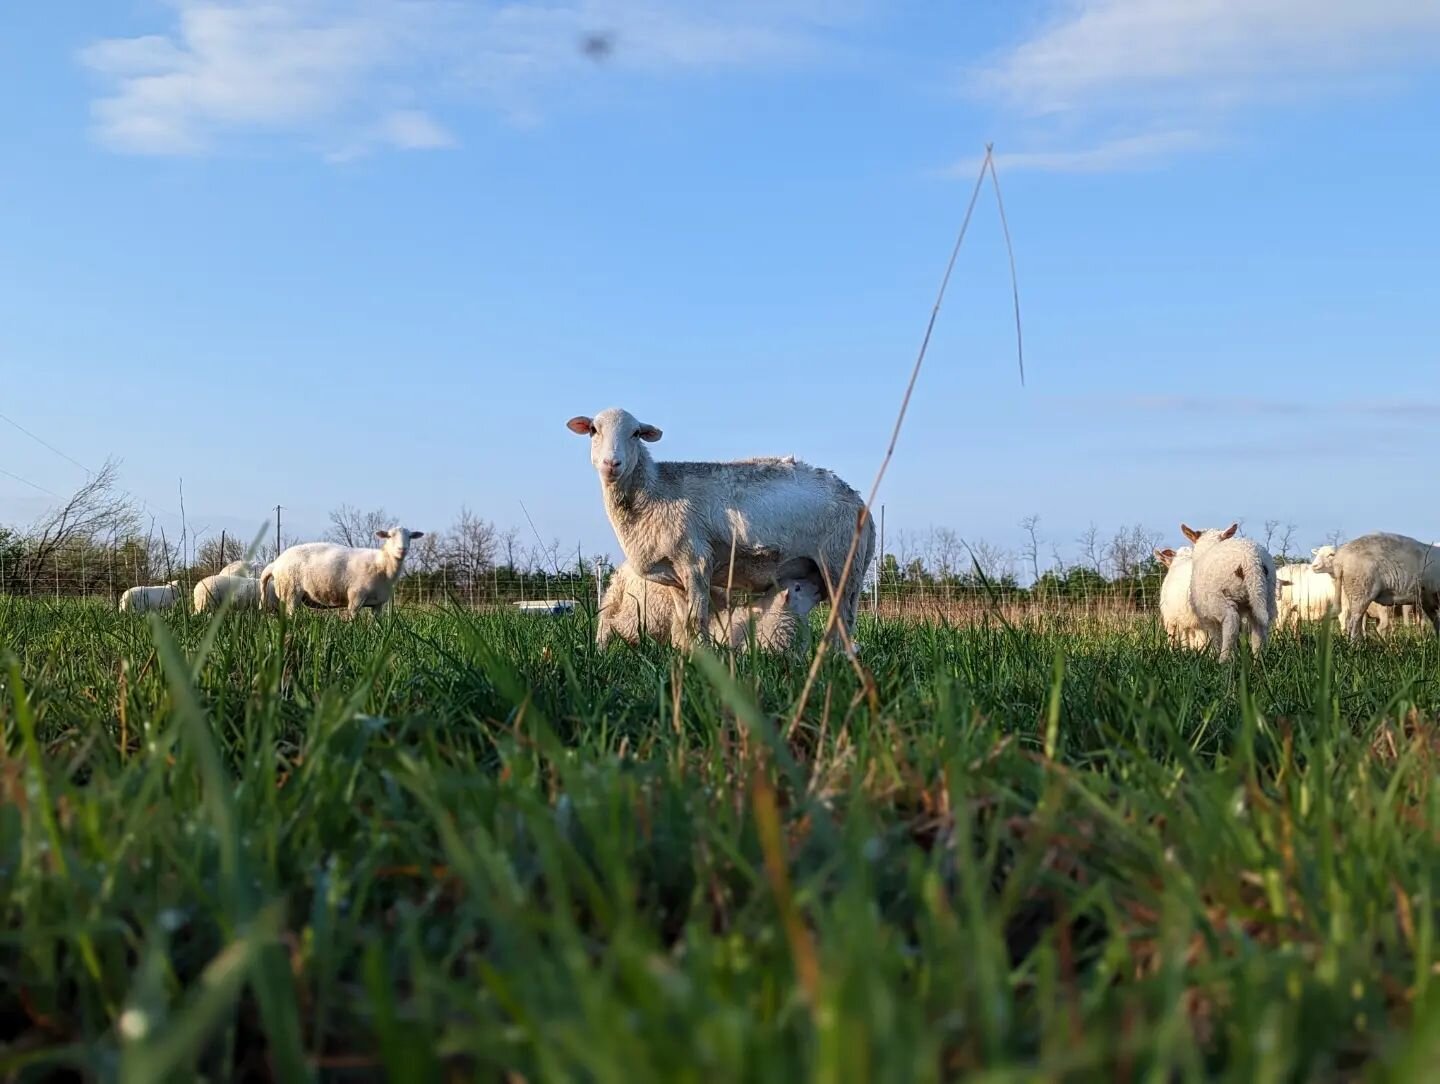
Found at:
(445, 845)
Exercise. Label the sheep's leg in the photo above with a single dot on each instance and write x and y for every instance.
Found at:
(692, 620)
(1353, 617)
(1259, 633)
(1430, 604)
(1229, 634)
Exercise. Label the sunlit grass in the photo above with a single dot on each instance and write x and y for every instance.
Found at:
(468, 843)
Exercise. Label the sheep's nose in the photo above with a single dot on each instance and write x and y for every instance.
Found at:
(610, 464)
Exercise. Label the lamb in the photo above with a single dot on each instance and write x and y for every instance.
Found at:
(683, 519)
(141, 599)
(1232, 578)
(213, 590)
(328, 576)
(1181, 623)
(1390, 569)
(634, 606)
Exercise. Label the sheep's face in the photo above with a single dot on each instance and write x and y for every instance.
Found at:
(397, 541)
(802, 596)
(615, 437)
(1324, 560)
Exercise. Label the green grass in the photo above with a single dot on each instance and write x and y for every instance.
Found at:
(448, 845)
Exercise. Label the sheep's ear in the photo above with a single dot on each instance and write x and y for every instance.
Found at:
(648, 432)
(1316, 551)
(1229, 531)
(417, 534)
(580, 424)
(1194, 536)
(382, 534)
(1284, 583)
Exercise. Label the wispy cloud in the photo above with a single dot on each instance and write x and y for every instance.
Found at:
(1398, 410)
(360, 74)
(1147, 63)
(1125, 152)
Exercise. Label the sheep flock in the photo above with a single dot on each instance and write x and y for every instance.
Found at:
(741, 552)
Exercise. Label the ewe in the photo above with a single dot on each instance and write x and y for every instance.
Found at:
(1390, 569)
(1181, 623)
(139, 599)
(1305, 595)
(1232, 578)
(213, 590)
(683, 520)
(327, 576)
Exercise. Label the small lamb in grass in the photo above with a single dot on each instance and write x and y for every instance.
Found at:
(1181, 623)
(1233, 578)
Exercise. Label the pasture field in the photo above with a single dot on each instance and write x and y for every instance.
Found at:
(449, 845)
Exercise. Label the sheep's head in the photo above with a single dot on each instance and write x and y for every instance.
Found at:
(1208, 536)
(397, 540)
(615, 437)
(1324, 559)
(802, 596)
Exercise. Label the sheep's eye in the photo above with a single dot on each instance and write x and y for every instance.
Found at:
(636, 433)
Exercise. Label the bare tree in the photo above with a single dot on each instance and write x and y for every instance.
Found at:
(1089, 543)
(509, 542)
(1128, 550)
(215, 553)
(472, 545)
(947, 555)
(1287, 540)
(994, 563)
(95, 510)
(1031, 553)
(349, 526)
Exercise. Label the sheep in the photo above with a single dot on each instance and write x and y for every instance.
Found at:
(213, 590)
(1232, 578)
(327, 576)
(238, 568)
(140, 599)
(1390, 569)
(1304, 594)
(1178, 616)
(686, 519)
(634, 606)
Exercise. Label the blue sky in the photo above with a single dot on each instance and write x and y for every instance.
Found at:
(378, 251)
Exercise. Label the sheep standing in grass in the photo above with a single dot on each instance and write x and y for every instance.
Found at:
(1390, 569)
(140, 599)
(1181, 623)
(213, 590)
(1304, 594)
(327, 576)
(634, 607)
(1233, 578)
(685, 519)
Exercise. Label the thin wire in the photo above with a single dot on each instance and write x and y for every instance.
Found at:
(29, 483)
(1009, 248)
(45, 443)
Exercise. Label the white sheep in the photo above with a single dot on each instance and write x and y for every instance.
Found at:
(1233, 578)
(327, 576)
(1181, 623)
(213, 590)
(237, 568)
(633, 607)
(684, 520)
(1304, 594)
(1390, 569)
(140, 599)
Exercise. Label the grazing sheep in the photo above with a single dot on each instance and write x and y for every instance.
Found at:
(1390, 569)
(634, 607)
(326, 576)
(1232, 578)
(140, 599)
(1178, 616)
(237, 568)
(685, 519)
(213, 590)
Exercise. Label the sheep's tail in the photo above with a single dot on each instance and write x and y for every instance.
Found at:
(1262, 593)
(265, 578)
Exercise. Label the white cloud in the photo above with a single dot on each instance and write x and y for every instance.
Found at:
(1144, 64)
(349, 73)
(1124, 152)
